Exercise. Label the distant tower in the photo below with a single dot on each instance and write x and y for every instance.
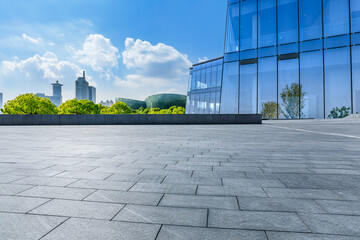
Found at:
(57, 93)
(1, 101)
(81, 88)
(92, 94)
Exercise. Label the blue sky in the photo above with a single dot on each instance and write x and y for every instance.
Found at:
(128, 48)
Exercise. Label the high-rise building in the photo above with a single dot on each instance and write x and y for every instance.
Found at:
(107, 103)
(285, 59)
(1, 101)
(56, 98)
(92, 94)
(83, 90)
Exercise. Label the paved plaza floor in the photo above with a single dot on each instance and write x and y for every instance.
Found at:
(286, 180)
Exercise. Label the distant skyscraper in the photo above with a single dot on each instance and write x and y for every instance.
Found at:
(56, 98)
(82, 88)
(107, 103)
(92, 94)
(1, 101)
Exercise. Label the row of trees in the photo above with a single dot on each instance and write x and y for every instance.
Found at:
(32, 104)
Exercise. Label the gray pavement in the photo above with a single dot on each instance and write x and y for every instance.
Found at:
(281, 180)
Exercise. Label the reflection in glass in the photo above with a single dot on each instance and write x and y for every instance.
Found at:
(310, 19)
(312, 82)
(233, 29)
(336, 17)
(289, 89)
(337, 79)
(268, 87)
(230, 89)
(287, 21)
(248, 25)
(248, 88)
(267, 23)
(355, 15)
(356, 78)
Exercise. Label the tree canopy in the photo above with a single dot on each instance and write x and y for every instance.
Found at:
(117, 108)
(293, 101)
(29, 104)
(75, 106)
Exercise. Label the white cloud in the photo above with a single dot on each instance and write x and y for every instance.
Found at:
(98, 53)
(155, 65)
(31, 40)
(204, 59)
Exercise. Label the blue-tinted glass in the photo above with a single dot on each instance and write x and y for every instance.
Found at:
(233, 29)
(230, 89)
(219, 75)
(268, 87)
(231, 57)
(336, 17)
(312, 85)
(194, 79)
(212, 102)
(355, 38)
(310, 19)
(355, 15)
(194, 102)
(287, 21)
(201, 84)
(356, 78)
(289, 94)
(213, 76)
(208, 77)
(339, 41)
(311, 45)
(190, 80)
(288, 48)
(248, 88)
(267, 52)
(337, 79)
(267, 23)
(249, 54)
(217, 104)
(248, 24)
(188, 104)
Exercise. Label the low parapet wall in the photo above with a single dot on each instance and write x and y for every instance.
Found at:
(134, 119)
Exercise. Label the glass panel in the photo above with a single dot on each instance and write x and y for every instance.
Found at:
(248, 88)
(248, 25)
(311, 45)
(194, 80)
(196, 104)
(233, 29)
(336, 17)
(212, 102)
(355, 15)
(267, 52)
(288, 48)
(356, 78)
(339, 41)
(289, 89)
(268, 87)
(337, 79)
(217, 105)
(188, 104)
(208, 77)
(219, 75)
(288, 21)
(190, 80)
(267, 23)
(310, 19)
(230, 89)
(213, 76)
(312, 85)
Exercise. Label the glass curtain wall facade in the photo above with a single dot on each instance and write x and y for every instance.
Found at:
(290, 59)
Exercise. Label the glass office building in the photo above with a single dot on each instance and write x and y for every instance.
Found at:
(286, 59)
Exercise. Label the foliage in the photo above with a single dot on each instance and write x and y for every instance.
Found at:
(75, 106)
(269, 110)
(172, 110)
(339, 112)
(117, 108)
(29, 104)
(293, 101)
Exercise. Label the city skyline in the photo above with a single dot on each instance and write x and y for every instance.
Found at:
(128, 49)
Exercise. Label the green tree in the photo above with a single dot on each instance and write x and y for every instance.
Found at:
(339, 112)
(117, 108)
(79, 107)
(292, 100)
(29, 104)
(269, 110)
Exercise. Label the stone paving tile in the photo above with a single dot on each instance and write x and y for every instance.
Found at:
(332, 224)
(85, 229)
(302, 193)
(194, 233)
(136, 178)
(7, 178)
(306, 236)
(100, 184)
(134, 171)
(276, 221)
(165, 172)
(46, 181)
(187, 167)
(231, 191)
(21, 226)
(172, 200)
(340, 207)
(36, 172)
(163, 215)
(19, 204)
(193, 180)
(351, 195)
(218, 174)
(242, 169)
(279, 205)
(125, 197)
(81, 209)
(57, 192)
(164, 188)
(84, 175)
(11, 189)
(252, 182)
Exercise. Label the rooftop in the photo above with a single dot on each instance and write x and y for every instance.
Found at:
(280, 180)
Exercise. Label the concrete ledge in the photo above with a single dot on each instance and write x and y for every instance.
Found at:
(134, 119)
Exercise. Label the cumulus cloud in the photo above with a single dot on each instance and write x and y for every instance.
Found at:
(98, 53)
(204, 59)
(155, 65)
(30, 39)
